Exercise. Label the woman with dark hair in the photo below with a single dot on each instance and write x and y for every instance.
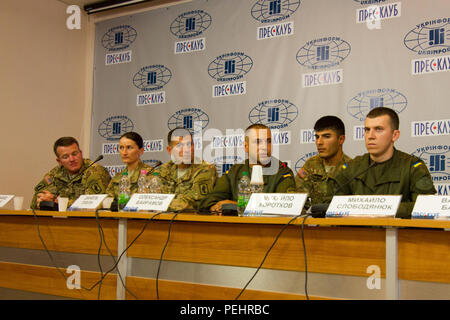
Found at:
(131, 148)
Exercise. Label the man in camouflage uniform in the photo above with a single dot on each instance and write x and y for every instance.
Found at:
(278, 178)
(384, 169)
(189, 181)
(72, 177)
(316, 177)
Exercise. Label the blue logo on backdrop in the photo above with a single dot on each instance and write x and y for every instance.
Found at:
(113, 127)
(188, 119)
(274, 10)
(437, 159)
(276, 113)
(300, 162)
(360, 105)
(119, 38)
(152, 78)
(190, 24)
(430, 37)
(323, 53)
(230, 66)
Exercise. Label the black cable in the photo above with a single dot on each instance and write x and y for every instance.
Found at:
(110, 253)
(162, 253)
(304, 253)
(107, 272)
(265, 256)
(98, 258)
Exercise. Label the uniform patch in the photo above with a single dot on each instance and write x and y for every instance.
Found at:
(95, 187)
(301, 173)
(287, 175)
(424, 184)
(415, 165)
(48, 180)
(344, 166)
(204, 189)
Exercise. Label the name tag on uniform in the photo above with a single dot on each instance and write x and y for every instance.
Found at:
(431, 207)
(149, 202)
(88, 202)
(290, 204)
(364, 206)
(4, 199)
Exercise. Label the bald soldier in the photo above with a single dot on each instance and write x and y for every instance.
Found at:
(72, 177)
(189, 181)
(278, 178)
(316, 177)
(385, 170)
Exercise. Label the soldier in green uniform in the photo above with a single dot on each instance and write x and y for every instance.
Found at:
(188, 178)
(278, 178)
(131, 148)
(72, 177)
(317, 174)
(385, 170)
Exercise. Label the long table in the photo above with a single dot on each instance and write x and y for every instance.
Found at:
(214, 257)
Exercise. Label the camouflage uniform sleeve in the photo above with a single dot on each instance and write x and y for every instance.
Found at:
(202, 184)
(113, 187)
(420, 183)
(44, 184)
(97, 180)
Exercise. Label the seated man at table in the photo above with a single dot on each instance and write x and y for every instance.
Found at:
(384, 170)
(278, 178)
(182, 175)
(72, 177)
(317, 174)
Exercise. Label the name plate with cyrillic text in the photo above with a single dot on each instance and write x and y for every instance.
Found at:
(149, 202)
(88, 202)
(290, 204)
(4, 199)
(364, 206)
(431, 207)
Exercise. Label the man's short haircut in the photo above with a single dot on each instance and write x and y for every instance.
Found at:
(256, 126)
(382, 111)
(136, 137)
(331, 123)
(64, 142)
(178, 132)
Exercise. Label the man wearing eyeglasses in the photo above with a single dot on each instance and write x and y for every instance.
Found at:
(72, 177)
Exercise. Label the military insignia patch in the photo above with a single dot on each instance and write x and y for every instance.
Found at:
(418, 163)
(301, 173)
(96, 188)
(48, 180)
(204, 189)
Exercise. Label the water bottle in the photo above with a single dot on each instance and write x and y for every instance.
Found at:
(124, 190)
(155, 184)
(244, 193)
(143, 182)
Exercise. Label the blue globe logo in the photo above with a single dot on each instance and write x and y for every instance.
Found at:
(152, 78)
(323, 53)
(276, 113)
(189, 118)
(360, 105)
(190, 24)
(119, 38)
(230, 66)
(113, 127)
(437, 159)
(274, 10)
(430, 37)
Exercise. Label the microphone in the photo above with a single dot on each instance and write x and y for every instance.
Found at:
(52, 205)
(319, 210)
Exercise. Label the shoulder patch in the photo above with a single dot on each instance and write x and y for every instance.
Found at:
(47, 179)
(301, 173)
(344, 166)
(418, 163)
(287, 175)
(204, 189)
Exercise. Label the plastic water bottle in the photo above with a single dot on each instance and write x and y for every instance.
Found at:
(143, 182)
(244, 193)
(155, 183)
(124, 190)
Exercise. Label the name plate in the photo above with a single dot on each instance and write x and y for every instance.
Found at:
(364, 206)
(88, 202)
(149, 202)
(4, 199)
(290, 204)
(431, 207)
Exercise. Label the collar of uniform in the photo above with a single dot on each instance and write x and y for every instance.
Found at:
(136, 173)
(63, 175)
(388, 175)
(173, 169)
